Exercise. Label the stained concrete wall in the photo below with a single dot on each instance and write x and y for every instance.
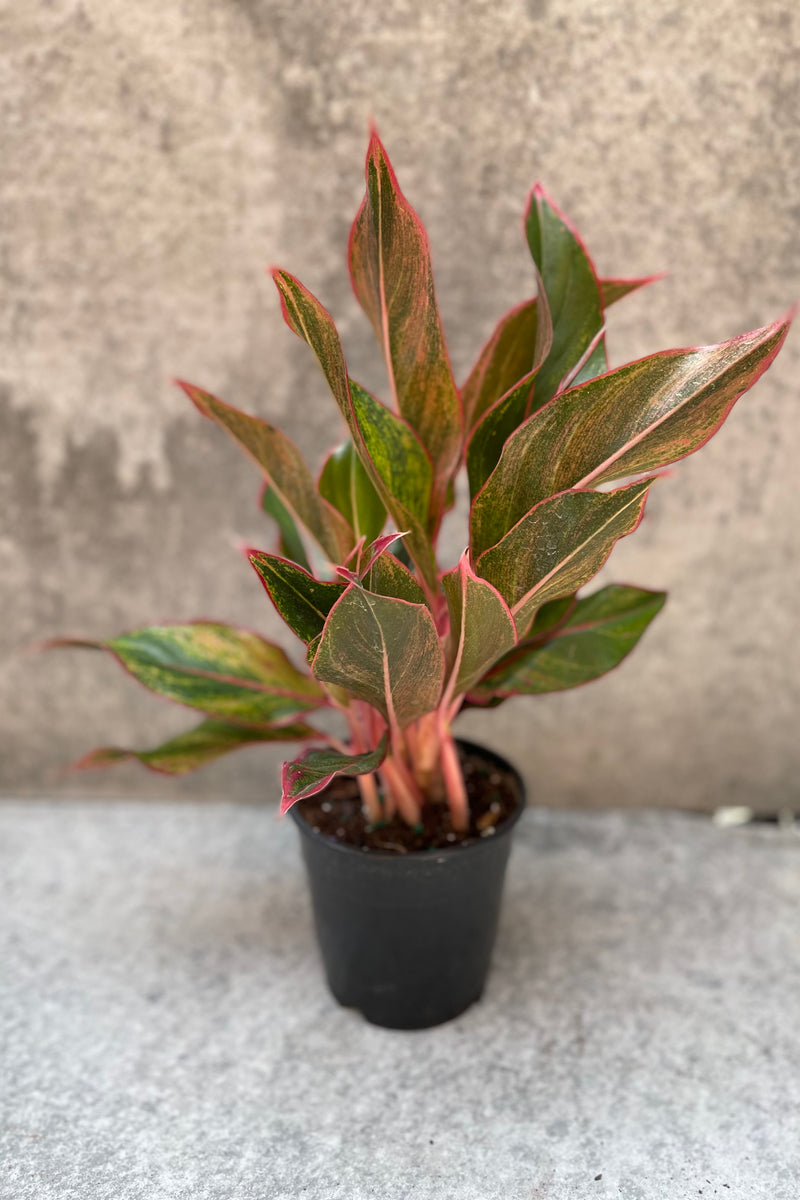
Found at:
(156, 156)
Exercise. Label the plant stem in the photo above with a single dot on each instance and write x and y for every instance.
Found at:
(453, 777)
(370, 800)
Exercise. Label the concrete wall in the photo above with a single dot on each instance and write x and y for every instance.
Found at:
(158, 155)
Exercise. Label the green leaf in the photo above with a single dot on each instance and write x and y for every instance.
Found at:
(508, 354)
(511, 409)
(389, 577)
(612, 290)
(390, 451)
(303, 601)
(226, 672)
(286, 472)
(506, 357)
(384, 651)
(572, 291)
(598, 634)
(393, 280)
(481, 626)
(638, 418)
(314, 770)
(345, 484)
(559, 545)
(197, 747)
(291, 543)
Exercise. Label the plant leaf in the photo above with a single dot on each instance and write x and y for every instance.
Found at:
(374, 552)
(389, 577)
(303, 601)
(345, 484)
(508, 354)
(382, 650)
(612, 290)
(572, 290)
(481, 626)
(226, 672)
(506, 357)
(286, 472)
(507, 413)
(196, 747)
(393, 280)
(598, 634)
(638, 418)
(390, 451)
(291, 542)
(314, 770)
(559, 545)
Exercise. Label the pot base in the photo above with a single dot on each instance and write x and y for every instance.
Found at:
(406, 938)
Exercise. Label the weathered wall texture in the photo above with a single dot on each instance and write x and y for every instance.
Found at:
(156, 156)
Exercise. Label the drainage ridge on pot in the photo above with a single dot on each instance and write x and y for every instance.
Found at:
(407, 938)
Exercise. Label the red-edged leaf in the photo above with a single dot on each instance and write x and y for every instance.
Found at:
(226, 672)
(392, 278)
(506, 357)
(382, 650)
(303, 601)
(612, 290)
(559, 546)
(573, 293)
(291, 540)
(314, 769)
(390, 451)
(508, 354)
(374, 552)
(286, 472)
(481, 627)
(389, 577)
(511, 409)
(635, 419)
(196, 747)
(345, 483)
(597, 634)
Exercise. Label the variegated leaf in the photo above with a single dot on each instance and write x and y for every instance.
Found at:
(503, 361)
(595, 637)
(612, 290)
(286, 472)
(314, 769)
(508, 354)
(390, 451)
(638, 418)
(225, 672)
(291, 541)
(345, 484)
(392, 277)
(303, 601)
(382, 650)
(481, 627)
(511, 409)
(387, 576)
(572, 290)
(559, 546)
(197, 747)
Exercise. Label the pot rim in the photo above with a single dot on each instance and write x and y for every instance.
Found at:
(439, 852)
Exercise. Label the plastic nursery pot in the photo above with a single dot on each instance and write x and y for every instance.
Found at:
(407, 938)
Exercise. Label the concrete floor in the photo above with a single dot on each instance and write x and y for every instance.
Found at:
(166, 1034)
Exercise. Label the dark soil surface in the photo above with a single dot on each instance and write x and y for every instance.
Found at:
(493, 798)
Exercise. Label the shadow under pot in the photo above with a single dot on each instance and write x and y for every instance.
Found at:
(407, 938)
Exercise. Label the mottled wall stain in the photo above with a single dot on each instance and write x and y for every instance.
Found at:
(157, 158)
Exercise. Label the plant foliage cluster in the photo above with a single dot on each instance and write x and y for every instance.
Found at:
(393, 643)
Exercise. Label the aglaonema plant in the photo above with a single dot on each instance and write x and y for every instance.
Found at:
(396, 645)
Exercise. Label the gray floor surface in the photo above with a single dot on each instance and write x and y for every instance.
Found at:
(165, 1031)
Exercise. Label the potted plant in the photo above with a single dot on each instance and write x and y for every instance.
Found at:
(406, 832)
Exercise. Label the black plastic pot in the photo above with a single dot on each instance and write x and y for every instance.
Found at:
(407, 938)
